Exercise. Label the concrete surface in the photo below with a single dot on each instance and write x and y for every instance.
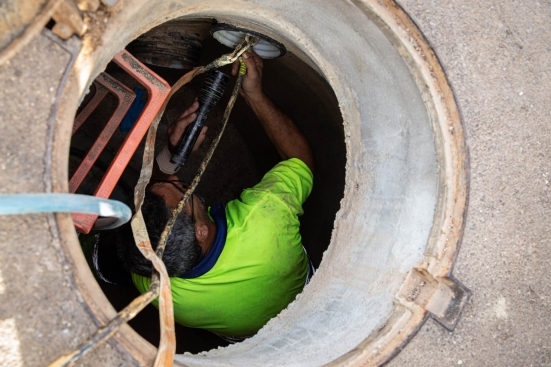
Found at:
(41, 316)
(15, 18)
(498, 59)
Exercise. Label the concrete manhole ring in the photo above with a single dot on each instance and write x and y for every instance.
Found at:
(397, 233)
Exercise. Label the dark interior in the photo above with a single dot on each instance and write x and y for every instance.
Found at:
(243, 156)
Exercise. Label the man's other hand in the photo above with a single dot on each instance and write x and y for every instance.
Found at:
(177, 128)
(251, 89)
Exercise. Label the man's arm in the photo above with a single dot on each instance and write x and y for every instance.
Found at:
(282, 131)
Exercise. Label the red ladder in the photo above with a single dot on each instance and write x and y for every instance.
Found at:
(158, 91)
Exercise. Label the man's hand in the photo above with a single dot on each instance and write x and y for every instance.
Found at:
(251, 89)
(178, 127)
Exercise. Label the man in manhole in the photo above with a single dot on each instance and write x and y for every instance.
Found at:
(232, 267)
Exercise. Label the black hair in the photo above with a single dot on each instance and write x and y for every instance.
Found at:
(182, 250)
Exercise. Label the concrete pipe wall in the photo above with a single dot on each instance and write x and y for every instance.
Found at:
(395, 237)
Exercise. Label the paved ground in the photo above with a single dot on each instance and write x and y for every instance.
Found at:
(41, 316)
(498, 59)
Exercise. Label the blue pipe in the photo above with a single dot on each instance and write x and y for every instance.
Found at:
(14, 204)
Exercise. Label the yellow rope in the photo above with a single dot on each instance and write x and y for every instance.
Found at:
(139, 303)
(242, 67)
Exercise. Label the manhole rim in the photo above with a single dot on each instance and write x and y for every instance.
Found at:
(446, 235)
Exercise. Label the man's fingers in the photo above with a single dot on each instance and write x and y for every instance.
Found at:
(200, 138)
(178, 127)
(235, 67)
(187, 117)
(190, 109)
(183, 122)
(251, 64)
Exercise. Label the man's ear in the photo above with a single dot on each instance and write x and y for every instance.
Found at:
(201, 232)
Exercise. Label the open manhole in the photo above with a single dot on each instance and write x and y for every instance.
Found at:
(398, 225)
(243, 156)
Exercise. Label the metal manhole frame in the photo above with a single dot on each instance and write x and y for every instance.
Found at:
(447, 230)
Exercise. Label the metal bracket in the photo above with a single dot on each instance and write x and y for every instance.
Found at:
(443, 298)
(68, 20)
(88, 5)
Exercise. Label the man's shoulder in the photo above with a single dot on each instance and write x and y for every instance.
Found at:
(289, 181)
(293, 167)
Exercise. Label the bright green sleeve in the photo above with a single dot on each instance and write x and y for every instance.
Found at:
(142, 284)
(290, 180)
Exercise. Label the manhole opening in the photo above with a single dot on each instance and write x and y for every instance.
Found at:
(405, 192)
(244, 155)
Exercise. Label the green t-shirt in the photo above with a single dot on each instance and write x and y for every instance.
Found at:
(263, 265)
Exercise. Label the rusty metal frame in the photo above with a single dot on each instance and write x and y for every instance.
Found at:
(411, 309)
(408, 316)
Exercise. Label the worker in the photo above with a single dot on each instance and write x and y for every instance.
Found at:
(232, 267)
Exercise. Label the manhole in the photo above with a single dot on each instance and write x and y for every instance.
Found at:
(397, 231)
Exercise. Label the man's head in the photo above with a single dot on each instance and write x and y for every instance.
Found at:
(190, 238)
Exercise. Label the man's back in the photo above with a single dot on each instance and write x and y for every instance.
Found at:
(262, 266)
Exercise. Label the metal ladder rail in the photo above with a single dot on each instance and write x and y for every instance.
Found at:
(99, 94)
(125, 98)
(158, 91)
